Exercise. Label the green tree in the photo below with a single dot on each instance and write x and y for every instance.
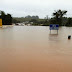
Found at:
(69, 22)
(9, 19)
(6, 19)
(58, 16)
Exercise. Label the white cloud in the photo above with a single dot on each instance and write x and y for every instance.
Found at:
(35, 7)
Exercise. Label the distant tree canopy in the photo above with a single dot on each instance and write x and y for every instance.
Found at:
(15, 21)
(32, 17)
(6, 18)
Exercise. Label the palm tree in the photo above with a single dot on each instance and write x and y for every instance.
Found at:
(58, 15)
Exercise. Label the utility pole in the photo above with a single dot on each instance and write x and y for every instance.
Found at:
(47, 17)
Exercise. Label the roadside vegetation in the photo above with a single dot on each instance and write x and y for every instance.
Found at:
(6, 18)
(58, 17)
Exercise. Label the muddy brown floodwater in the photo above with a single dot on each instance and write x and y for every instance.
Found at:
(34, 49)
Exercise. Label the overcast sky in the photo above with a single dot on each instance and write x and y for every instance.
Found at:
(22, 8)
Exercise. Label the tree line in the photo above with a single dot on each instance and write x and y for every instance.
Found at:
(23, 19)
(58, 17)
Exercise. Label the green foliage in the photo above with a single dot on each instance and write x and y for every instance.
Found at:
(58, 18)
(15, 21)
(6, 19)
(69, 22)
(32, 17)
(58, 15)
(23, 19)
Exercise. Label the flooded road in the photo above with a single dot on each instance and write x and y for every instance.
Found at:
(34, 49)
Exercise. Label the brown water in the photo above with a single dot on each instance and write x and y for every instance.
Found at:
(34, 49)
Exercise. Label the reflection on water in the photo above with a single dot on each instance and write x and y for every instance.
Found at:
(53, 37)
(34, 49)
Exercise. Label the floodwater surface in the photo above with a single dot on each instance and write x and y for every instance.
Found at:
(34, 49)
